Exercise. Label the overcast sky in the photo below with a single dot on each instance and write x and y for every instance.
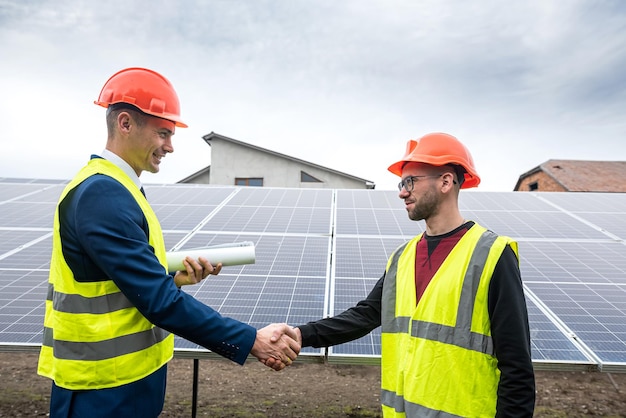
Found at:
(343, 84)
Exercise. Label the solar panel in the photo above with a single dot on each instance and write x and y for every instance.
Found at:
(182, 218)
(551, 344)
(604, 211)
(11, 191)
(594, 313)
(26, 214)
(34, 254)
(319, 251)
(12, 240)
(500, 201)
(22, 296)
(587, 202)
(347, 292)
(276, 255)
(294, 211)
(520, 224)
(187, 195)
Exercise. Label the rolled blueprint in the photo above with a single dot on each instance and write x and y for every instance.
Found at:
(227, 254)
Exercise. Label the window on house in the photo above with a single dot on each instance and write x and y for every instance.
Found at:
(533, 186)
(307, 178)
(249, 181)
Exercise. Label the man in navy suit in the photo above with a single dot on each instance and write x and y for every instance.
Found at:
(112, 306)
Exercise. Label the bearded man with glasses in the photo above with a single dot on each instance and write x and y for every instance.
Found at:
(455, 336)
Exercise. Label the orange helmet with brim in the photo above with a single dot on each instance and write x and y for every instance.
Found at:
(145, 89)
(439, 149)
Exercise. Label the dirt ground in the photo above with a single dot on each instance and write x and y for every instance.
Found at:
(302, 390)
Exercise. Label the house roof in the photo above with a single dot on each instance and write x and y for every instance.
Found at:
(208, 137)
(195, 175)
(583, 175)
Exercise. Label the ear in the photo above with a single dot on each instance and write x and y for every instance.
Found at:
(124, 122)
(448, 181)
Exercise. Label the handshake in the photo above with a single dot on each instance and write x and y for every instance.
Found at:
(277, 345)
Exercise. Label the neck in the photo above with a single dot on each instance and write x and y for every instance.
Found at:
(444, 222)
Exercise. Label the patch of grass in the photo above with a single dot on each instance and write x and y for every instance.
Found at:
(358, 412)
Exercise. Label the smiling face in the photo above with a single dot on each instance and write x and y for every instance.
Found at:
(150, 143)
(141, 140)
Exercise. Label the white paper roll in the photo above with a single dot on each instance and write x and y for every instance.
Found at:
(227, 254)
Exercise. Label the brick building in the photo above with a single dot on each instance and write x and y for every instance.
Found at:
(575, 176)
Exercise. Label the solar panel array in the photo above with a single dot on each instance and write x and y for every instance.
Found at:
(319, 251)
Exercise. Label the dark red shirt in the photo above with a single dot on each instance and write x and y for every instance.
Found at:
(430, 254)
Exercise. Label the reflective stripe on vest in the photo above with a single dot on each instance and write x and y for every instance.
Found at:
(102, 350)
(389, 321)
(394, 405)
(73, 303)
(402, 334)
(93, 336)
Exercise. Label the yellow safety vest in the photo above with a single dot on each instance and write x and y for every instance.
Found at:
(94, 338)
(437, 356)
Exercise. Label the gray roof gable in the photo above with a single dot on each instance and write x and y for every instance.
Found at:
(215, 136)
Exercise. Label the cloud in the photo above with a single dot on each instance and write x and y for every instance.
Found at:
(341, 84)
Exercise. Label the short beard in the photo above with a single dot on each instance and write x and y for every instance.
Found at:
(424, 207)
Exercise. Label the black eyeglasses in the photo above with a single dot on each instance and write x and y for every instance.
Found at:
(409, 182)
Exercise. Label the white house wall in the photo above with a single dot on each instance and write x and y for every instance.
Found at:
(230, 161)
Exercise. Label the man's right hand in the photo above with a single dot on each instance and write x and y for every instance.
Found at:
(276, 345)
(276, 336)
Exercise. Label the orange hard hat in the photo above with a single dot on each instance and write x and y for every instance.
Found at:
(439, 149)
(145, 89)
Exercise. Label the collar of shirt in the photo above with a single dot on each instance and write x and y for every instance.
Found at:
(126, 168)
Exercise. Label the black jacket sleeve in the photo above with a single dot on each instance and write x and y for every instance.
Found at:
(349, 325)
(511, 339)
